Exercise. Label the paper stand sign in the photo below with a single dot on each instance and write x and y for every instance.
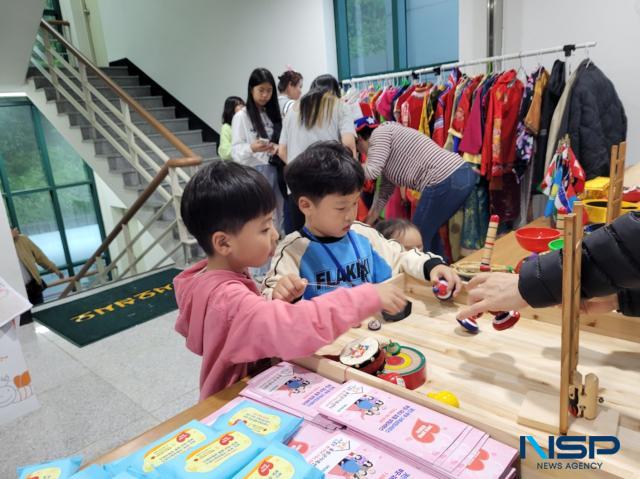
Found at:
(16, 392)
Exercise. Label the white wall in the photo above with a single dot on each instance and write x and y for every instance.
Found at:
(202, 51)
(18, 26)
(615, 25)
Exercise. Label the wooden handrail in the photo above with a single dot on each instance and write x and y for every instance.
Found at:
(135, 207)
(68, 279)
(159, 127)
(188, 159)
(64, 23)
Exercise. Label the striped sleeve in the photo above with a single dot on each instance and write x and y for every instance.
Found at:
(382, 195)
(379, 151)
(408, 158)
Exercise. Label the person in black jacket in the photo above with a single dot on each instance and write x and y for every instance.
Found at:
(610, 278)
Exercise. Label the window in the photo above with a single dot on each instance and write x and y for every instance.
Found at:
(378, 36)
(47, 189)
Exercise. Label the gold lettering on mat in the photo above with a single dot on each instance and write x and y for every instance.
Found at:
(121, 303)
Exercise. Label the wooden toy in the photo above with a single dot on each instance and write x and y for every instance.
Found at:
(374, 325)
(469, 269)
(616, 180)
(392, 348)
(441, 290)
(446, 397)
(576, 398)
(470, 324)
(492, 231)
(492, 373)
(410, 364)
(364, 354)
(505, 320)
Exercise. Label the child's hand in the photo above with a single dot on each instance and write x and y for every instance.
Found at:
(449, 275)
(289, 288)
(392, 297)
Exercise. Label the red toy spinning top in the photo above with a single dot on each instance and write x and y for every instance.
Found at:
(441, 290)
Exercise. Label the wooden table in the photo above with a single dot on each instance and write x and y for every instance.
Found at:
(491, 372)
(507, 251)
(197, 412)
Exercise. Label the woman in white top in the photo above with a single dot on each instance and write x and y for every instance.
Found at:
(318, 116)
(289, 90)
(256, 130)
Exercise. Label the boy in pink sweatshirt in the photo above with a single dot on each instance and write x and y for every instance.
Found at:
(228, 208)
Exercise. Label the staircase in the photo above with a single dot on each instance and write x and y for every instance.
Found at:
(131, 140)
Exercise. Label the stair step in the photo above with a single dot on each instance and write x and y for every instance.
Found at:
(188, 137)
(135, 91)
(115, 71)
(145, 101)
(133, 180)
(133, 80)
(118, 164)
(164, 113)
(172, 124)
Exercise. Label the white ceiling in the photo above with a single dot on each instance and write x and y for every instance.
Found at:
(18, 25)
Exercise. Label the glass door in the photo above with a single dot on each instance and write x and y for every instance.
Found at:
(48, 190)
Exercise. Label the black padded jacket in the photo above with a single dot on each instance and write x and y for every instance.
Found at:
(610, 264)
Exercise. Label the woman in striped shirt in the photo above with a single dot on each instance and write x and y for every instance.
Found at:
(402, 156)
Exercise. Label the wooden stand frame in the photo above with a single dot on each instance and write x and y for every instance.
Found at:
(571, 269)
(616, 181)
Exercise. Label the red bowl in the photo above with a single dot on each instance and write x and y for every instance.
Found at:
(536, 240)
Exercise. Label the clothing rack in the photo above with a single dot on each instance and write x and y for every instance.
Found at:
(567, 49)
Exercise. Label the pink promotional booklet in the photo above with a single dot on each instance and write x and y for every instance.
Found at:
(352, 430)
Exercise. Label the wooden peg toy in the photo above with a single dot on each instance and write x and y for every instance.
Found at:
(487, 252)
(583, 397)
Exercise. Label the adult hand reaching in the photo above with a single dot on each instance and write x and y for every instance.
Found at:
(492, 292)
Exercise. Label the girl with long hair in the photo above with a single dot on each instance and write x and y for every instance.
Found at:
(319, 115)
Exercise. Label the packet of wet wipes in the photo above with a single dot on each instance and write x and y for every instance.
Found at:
(267, 422)
(278, 461)
(94, 471)
(59, 469)
(222, 457)
(183, 440)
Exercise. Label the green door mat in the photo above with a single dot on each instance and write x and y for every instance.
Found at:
(99, 315)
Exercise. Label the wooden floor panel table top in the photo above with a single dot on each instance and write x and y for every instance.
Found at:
(507, 251)
(491, 372)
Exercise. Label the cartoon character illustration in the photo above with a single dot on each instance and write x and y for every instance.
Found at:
(358, 350)
(8, 393)
(17, 391)
(353, 466)
(295, 385)
(367, 406)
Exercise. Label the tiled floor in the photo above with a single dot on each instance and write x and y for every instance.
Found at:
(95, 398)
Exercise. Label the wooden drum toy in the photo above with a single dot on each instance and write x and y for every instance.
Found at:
(364, 354)
(407, 368)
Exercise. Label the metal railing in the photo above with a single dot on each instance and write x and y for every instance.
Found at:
(70, 78)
